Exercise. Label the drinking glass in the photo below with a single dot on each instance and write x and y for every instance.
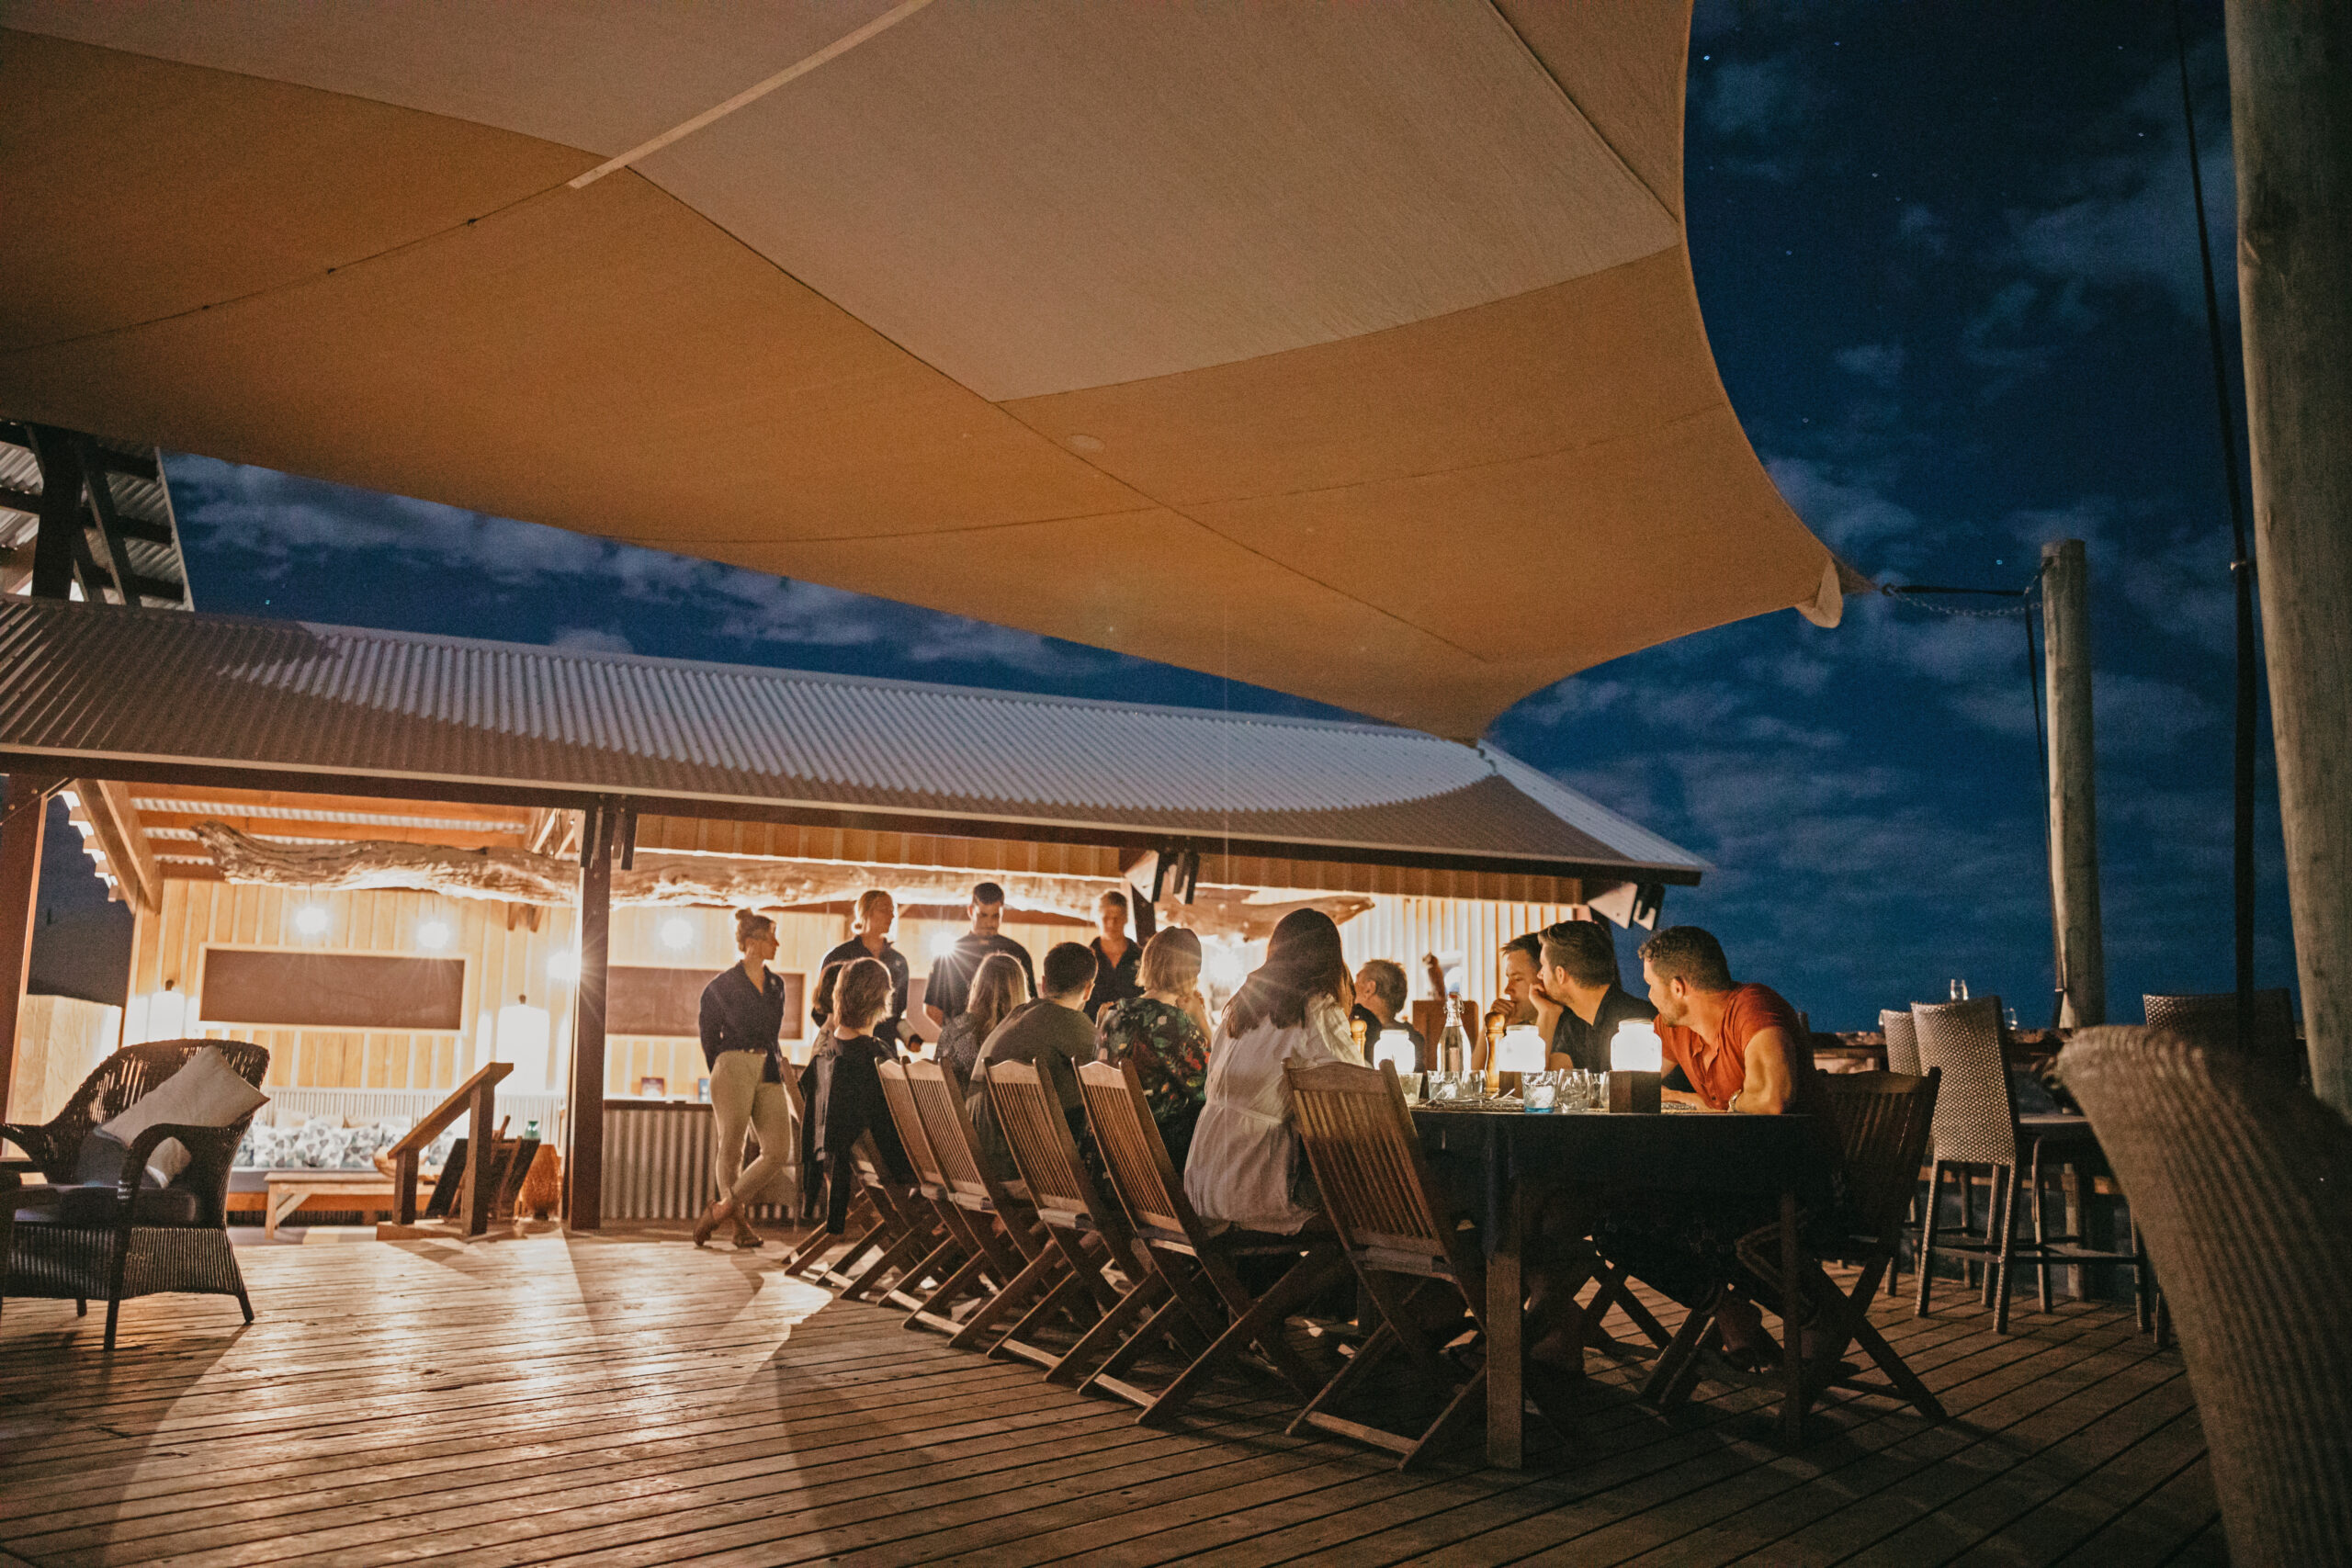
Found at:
(1538, 1093)
(1410, 1083)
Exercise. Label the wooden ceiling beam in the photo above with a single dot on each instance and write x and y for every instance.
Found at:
(130, 858)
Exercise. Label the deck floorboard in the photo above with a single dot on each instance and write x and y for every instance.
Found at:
(629, 1400)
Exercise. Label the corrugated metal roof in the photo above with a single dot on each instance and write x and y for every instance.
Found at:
(99, 683)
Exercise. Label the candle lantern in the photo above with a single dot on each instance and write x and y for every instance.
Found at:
(1636, 1063)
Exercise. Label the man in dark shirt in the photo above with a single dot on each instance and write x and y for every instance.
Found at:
(949, 988)
(870, 938)
(1055, 1024)
(1117, 959)
(1580, 974)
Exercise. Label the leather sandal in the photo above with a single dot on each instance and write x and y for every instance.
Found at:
(746, 1237)
(712, 1218)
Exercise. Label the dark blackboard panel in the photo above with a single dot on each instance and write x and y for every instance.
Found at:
(332, 990)
(641, 1000)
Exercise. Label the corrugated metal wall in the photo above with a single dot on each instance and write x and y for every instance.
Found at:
(1466, 934)
(657, 1164)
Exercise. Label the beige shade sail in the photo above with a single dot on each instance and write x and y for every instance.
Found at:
(1348, 351)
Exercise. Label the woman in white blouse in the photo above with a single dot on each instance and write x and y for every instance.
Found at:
(1246, 1167)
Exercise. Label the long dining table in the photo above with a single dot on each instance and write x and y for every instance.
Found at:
(1519, 1154)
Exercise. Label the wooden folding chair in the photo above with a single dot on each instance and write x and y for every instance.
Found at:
(819, 1249)
(1882, 1123)
(905, 1233)
(981, 1259)
(1394, 1222)
(1091, 1233)
(1193, 1263)
(988, 1202)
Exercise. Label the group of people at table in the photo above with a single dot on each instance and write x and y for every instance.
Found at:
(1217, 1086)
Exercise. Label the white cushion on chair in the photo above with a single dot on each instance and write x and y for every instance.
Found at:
(208, 1092)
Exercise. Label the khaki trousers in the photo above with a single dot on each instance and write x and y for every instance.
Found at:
(740, 1099)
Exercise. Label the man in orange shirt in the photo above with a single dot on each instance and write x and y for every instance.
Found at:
(1743, 1048)
(1746, 1053)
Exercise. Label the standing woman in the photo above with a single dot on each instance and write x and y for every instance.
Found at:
(1246, 1166)
(742, 1019)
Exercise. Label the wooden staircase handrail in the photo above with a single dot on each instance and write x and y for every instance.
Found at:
(478, 1095)
(461, 1101)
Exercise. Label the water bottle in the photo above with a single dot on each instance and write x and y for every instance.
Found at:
(1452, 1046)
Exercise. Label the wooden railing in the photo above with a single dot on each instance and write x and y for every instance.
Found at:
(473, 1098)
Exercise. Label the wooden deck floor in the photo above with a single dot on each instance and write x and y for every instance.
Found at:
(631, 1401)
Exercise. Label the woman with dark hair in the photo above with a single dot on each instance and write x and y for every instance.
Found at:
(1000, 988)
(849, 1103)
(1246, 1167)
(741, 1020)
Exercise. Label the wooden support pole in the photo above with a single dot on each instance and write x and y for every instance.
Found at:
(2074, 786)
(61, 512)
(583, 1171)
(2291, 114)
(27, 810)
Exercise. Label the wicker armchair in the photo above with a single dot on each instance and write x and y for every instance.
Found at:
(2240, 1180)
(71, 1243)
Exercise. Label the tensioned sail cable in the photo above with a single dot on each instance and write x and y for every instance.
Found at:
(2241, 566)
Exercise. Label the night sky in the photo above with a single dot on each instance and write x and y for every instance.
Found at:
(1949, 266)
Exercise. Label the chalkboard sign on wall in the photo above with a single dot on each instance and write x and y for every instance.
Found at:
(332, 990)
(641, 1000)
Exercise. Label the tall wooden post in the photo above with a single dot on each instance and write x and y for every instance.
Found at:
(584, 1169)
(2074, 787)
(2290, 112)
(27, 810)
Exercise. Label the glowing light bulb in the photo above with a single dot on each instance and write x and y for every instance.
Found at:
(677, 931)
(432, 935)
(564, 966)
(943, 943)
(310, 920)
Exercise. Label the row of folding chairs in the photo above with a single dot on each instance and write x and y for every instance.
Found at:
(1114, 1286)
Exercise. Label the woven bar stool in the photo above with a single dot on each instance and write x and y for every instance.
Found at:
(2211, 1019)
(1977, 1124)
(1903, 1056)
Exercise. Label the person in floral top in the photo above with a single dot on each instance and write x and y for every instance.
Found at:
(1165, 1032)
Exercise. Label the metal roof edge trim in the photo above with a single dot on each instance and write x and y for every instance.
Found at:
(1581, 811)
(477, 791)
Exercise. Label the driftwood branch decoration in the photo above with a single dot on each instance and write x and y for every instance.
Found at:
(521, 876)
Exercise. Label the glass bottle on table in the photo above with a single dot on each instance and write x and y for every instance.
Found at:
(1451, 1046)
